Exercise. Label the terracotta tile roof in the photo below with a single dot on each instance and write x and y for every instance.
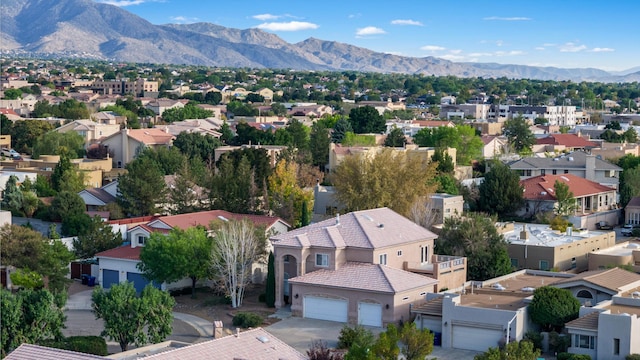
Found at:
(36, 352)
(255, 344)
(486, 139)
(635, 201)
(369, 229)
(587, 322)
(184, 221)
(366, 277)
(122, 252)
(431, 307)
(541, 187)
(150, 136)
(613, 279)
(568, 140)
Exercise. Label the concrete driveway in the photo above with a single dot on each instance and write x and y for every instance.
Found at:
(299, 333)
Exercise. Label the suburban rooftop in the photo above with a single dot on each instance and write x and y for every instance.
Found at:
(623, 249)
(543, 235)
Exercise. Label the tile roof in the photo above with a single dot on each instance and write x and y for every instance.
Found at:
(366, 277)
(369, 229)
(613, 279)
(573, 160)
(122, 252)
(255, 344)
(36, 352)
(101, 195)
(568, 140)
(587, 322)
(150, 136)
(204, 218)
(541, 187)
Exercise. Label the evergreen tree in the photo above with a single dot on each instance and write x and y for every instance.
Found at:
(342, 127)
(227, 134)
(142, 188)
(366, 119)
(270, 292)
(501, 192)
(319, 141)
(305, 217)
(63, 166)
(395, 138)
(519, 135)
(12, 196)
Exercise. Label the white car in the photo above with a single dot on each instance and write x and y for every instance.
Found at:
(10, 153)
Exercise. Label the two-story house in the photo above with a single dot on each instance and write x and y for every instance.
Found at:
(120, 264)
(361, 267)
(577, 163)
(127, 143)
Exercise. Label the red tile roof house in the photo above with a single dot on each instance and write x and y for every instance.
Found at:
(125, 144)
(594, 202)
(366, 267)
(563, 142)
(120, 264)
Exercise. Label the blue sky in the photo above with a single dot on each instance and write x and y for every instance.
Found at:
(560, 33)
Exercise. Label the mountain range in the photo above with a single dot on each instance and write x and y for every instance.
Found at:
(84, 28)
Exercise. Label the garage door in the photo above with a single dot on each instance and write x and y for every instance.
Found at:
(139, 281)
(475, 338)
(370, 314)
(110, 277)
(325, 309)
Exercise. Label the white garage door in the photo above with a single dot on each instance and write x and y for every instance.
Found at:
(325, 309)
(473, 338)
(370, 314)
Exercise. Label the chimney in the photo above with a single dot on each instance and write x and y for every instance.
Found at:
(217, 329)
(237, 332)
(337, 219)
(590, 167)
(524, 235)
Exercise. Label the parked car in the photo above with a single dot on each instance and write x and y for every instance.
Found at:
(10, 153)
(603, 225)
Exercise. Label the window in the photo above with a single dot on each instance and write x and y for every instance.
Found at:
(322, 260)
(544, 265)
(554, 172)
(528, 172)
(399, 252)
(383, 259)
(566, 171)
(616, 346)
(286, 259)
(543, 172)
(573, 263)
(584, 341)
(424, 254)
(141, 239)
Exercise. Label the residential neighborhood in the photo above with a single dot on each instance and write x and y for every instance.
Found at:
(238, 208)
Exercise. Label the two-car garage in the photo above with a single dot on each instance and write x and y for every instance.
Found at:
(333, 309)
(469, 337)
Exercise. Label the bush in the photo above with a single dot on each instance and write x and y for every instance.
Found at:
(95, 345)
(632, 357)
(567, 356)
(535, 338)
(262, 297)
(558, 343)
(247, 320)
(353, 335)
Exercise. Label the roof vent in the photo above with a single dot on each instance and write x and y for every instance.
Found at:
(543, 193)
(263, 339)
(222, 218)
(381, 226)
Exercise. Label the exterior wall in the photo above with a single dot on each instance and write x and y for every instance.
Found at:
(560, 257)
(632, 215)
(115, 144)
(488, 128)
(624, 255)
(454, 313)
(123, 266)
(447, 206)
(617, 326)
(590, 221)
(410, 253)
(573, 349)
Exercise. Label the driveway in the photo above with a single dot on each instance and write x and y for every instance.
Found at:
(299, 333)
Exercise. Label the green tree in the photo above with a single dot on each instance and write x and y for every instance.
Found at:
(390, 179)
(366, 119)
(183, 199)
(463, 138)
(270, 292)
(299, 134)
(131, 319)
(517, 350)
(189, 111)
(29, 316)
(519, 135)
(566, 202)
(12, 94)
(475, 237)
(227, 134)
(444, 161)
(99, 237)
(196, 145)
(552, 307)
(12, 197)
(395, 138)
(65, 177)
(26, 132)
(386, 346)
(416, 343)
(56, 143)
(501, 192)
(629, 184)
(234, 188)
(66, 204)
(30, 203)
(340, 130)
(179, 254)
(286, 197)
(142, 188)
(319, 141)
(168, 160)
(258, 160)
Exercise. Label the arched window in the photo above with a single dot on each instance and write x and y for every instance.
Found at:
(584, 294)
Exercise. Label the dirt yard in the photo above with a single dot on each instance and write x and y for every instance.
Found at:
(210, 306)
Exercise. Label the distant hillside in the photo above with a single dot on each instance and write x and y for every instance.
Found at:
(85, 28)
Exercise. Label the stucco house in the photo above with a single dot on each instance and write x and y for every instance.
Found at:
(126, 143)
(89, 130)
(366, 267)
(120, 264)
(632, 211)
(593, 202)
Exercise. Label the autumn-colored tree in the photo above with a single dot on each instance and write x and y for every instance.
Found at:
(390, 178)
(286, 196)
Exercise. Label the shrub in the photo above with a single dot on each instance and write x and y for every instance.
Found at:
(535, 338)
(247, 320)
(632, 357)
(95, 345)
(568, 356)
(262, 297)
(354, 335)
(558, 343)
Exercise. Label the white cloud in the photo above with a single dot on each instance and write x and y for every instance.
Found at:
(266, 17)
(406, 22)
(480, 54)
(455, 51)
(370, 30)
(498, 18)
(602, 49)
(452, 57)
(499, 43)
(539, 48)
(548, 44)
(432, 48)
(353, 16)
(183, 19)
(509, 53)
(288, 26)
(121, 3)
(572, 47)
